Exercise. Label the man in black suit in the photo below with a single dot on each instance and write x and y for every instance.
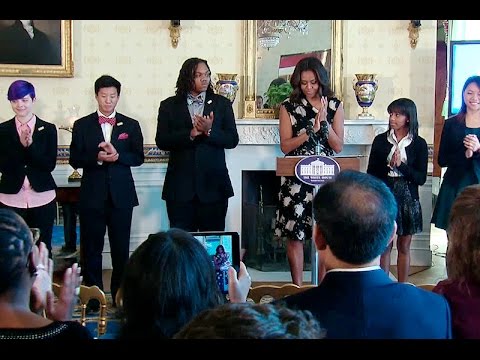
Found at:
(106, 144)
(28, 154)
(196, 126)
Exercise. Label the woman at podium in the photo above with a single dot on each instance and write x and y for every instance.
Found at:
(311, 115)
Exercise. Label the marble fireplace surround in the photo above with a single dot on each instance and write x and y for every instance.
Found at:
(257, 150)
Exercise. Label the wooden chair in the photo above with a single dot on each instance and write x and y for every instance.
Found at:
(428, 287)
(269, 293)
(88, 293)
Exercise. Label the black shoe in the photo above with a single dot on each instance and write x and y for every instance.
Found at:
(93, 306)
(67, 249)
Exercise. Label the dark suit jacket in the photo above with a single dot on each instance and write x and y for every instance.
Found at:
(16, 46)
(415, 172)
(36, 161)
(114, 178)
(369, 305)
(451, 153)
(198, 166)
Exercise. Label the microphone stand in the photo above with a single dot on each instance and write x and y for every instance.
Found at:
(318, 151)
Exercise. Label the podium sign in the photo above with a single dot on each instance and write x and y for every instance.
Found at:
(315, 170)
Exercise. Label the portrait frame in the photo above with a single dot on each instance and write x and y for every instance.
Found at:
(64, 68)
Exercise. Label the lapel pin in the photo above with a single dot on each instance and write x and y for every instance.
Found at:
(41, 128)
(120, 124)
(209, 102)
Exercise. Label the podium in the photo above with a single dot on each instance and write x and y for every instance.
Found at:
(286, 167)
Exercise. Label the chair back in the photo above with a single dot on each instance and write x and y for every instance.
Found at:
(88, 293)
(267, 293)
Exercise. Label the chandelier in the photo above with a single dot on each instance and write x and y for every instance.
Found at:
(269, 31)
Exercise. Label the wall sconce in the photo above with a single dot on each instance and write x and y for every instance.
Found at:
(174, 32)
(413, 29)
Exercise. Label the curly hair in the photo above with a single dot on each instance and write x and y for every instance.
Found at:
(463, 252)
(252, 321)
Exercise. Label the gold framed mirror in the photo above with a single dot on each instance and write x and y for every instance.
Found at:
(250, 88)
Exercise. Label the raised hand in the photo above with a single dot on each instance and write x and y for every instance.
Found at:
(62, 310)
(43, 278)
(238, 287)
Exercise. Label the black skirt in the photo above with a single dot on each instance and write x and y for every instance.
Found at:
(409, 217)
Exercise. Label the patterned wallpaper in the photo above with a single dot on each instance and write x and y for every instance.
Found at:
(383, 47)
(139, 54)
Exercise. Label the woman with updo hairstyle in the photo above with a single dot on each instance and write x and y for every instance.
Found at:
(26, 288)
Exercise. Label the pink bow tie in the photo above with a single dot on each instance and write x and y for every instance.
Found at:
(103, 120)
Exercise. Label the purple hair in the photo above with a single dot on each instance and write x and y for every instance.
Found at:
(19, 89)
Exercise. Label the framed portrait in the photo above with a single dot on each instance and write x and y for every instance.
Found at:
(39, 48)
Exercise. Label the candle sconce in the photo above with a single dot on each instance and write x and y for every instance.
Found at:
(174, 32)
(73, 116)
(413, 32)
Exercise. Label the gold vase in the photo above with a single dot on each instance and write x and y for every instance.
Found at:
(227, 85)
(365, 87)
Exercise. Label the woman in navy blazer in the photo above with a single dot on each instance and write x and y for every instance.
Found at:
(28, 154)
(459, 151)
(399, 157)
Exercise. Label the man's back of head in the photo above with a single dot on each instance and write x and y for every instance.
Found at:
(356, 214)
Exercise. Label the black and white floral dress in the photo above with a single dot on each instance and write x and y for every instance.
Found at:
(294, 209)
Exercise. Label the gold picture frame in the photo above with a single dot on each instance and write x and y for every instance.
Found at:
(250, 67)
(15, 61)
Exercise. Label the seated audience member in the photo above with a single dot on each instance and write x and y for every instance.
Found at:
(169, 279)
(355, 221)
(252, 321)
(462, 288)
(26, 288)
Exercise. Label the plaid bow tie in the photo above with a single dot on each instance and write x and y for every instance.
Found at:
(103, 120)
(194, 100)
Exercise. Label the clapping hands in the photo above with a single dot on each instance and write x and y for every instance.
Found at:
(26, 136)
(203, 123)
(471, 144)
(396, 159)
(42, 297)
(107, 153)
(321, 114)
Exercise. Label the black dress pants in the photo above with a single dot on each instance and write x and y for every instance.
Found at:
(93, 224)
(41, 217)
(197, 216)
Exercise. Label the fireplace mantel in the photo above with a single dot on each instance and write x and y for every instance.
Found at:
(265, 131)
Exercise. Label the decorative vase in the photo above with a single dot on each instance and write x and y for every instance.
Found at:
(365, 87)
(227, 85)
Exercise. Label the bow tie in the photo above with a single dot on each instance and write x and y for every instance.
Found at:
(103, 120)
(194, 100)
